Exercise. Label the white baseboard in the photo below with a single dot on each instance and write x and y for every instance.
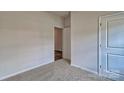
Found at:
(58, 49)
(86, 69)
(22, 71)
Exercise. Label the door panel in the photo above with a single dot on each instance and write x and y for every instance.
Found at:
(116, 33)
(115, 63)
(112, 46)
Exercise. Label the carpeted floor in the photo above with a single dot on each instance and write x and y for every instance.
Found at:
(57, 71)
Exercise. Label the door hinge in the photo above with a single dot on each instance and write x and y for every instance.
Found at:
(100, 66)
(99, 45)
(100, 24)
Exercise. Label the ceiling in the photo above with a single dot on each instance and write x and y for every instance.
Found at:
(60, 13)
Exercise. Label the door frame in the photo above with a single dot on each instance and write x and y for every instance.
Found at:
(99, 68)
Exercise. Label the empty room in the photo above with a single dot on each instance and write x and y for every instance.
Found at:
(61, 45)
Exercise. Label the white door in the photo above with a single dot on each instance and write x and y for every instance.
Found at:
(111, 46)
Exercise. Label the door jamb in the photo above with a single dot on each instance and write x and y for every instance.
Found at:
(99, 47)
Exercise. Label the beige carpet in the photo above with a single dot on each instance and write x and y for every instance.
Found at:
(57, 71)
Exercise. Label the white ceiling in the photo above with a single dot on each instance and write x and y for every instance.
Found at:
(60, 13)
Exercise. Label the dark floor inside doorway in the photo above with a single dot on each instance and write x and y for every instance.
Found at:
(58, 55)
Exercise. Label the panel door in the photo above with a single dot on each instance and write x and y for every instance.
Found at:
(112, 46)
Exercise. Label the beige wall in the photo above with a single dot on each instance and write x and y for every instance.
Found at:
(26, 40)
(84, 29)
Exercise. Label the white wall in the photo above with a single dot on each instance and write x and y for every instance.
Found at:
(66, 44)
(67, 39)
(84, 28)
(26, 40)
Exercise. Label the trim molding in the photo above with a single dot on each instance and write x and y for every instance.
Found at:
(86, 69)
(58, 50)
(22, 71)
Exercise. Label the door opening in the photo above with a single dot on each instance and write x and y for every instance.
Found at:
(58, 49)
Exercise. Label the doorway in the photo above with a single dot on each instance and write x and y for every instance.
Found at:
(58, 39)
(111, 46)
